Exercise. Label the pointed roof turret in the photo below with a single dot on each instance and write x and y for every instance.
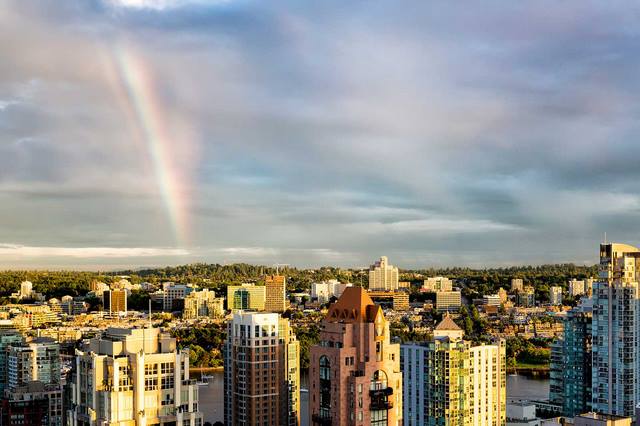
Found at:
(448, 328)
(354, 305)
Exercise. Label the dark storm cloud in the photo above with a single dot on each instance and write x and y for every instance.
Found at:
(322, 132)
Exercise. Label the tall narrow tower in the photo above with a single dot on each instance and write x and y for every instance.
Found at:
(616, 331)
(261, 371)
(354, 375)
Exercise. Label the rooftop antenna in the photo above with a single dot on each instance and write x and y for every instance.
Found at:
(605, 237)
(278, 265)
(149, 312)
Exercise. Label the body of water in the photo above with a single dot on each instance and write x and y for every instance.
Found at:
(212, 396)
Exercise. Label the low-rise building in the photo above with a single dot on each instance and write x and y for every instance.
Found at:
(203, 304)
(325, 290)
(436, 284)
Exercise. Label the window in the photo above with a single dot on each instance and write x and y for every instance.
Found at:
(325, 387)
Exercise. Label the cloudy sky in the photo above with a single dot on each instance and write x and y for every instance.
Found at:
(152, 132)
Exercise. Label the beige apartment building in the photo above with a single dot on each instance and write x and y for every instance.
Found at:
(133, 377)
(435, 284)
(203, 304)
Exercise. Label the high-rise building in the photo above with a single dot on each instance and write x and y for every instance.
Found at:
(555, 295)
(448, 301)
(616, 321)
(448, 381)
(435, 284)
(276, 289)
(114, 301)
(383, 276)
(33, 383)
(517, 285)
(133, 377)
(354, 371)
(246, 297)
(571, 363)
(261, 371)
(203, 304)
(8, 337)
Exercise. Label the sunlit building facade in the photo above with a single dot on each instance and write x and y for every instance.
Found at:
(133, 377)
(354, 372)
(261, 371)
(449, 381)
(616, 325)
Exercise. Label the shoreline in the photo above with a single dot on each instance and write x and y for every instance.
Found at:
(530, 371)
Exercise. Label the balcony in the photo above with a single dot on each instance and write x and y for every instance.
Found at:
(321, 421)
(381, 392)
(379, 399)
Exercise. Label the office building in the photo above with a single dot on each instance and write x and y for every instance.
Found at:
(174, 294)
(435, 284)
(517, 285)
(526, 297)
(616, 321)
(324, 291)
(354, 373)
(203, 304)
(555, 295)
(276, 293)
(246, 297)
(33, 383)
(114, 301)
(383, 276)
(261, 371)
(448, 381)
(571, 364)
(448, 301)
(133, 377)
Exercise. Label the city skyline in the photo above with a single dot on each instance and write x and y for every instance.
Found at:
(141, 133)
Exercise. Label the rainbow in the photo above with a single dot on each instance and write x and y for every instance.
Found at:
(135, 87)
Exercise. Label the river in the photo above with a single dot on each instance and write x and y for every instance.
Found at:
(211, 396)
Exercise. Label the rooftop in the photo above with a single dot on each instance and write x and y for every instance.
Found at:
(447, 323)
(354, 305)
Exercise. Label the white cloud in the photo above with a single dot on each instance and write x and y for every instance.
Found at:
(160, 4)
(88, 252)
